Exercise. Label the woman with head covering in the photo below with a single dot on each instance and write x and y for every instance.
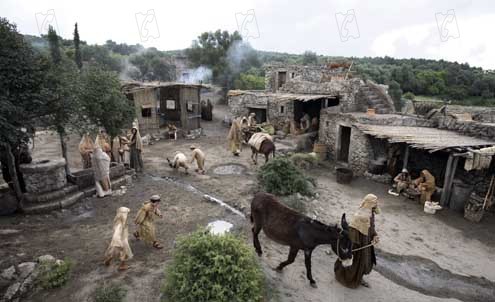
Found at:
(426, 185)
(86, 147)
(136, 145)
(102, 138)
(101, 167)
(144, 220)
(363, 235)
(119, 246)
(234, 137)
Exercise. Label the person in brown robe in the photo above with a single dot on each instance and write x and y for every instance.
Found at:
(425, 183)
(363, 235)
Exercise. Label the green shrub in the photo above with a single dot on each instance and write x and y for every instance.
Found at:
(281, 177)
(216, 268)
(409, 96)
(295, 203)
(304, 160)
(110, 293)
(53, 274)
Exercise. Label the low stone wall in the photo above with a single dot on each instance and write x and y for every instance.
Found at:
(470, 128)
(44, 175)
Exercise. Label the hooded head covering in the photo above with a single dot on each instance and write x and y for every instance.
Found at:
(86, 145)
(361, 219)
(119, 246)
(137, 136)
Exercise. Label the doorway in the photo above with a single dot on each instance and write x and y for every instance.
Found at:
(260, 114)
(282, 78)
(344, 143)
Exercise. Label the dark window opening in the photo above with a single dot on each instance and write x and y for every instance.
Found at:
(282, 109)
(312, 109)
(292, 75)
(146, 112)
(260, 114)
(282, 78)
(344, 144)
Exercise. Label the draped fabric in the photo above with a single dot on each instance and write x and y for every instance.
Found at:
(86, 146)
(234, 137)
(144, 219)
(101, 164)
(119, 246)
(136, 160)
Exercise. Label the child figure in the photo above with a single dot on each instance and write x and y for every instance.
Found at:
(119, 246)
(144, 221)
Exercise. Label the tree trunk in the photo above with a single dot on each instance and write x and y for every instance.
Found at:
(13, 175)
(64, 153)
(112, 158)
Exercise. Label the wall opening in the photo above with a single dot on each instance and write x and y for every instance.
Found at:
(344, 144)
(260, 114)
(145, 112)
(282, 109)
(311, 108)
(282, 78)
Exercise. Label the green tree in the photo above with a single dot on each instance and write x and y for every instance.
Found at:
(153, 65)
(77, 52)
(309, 58)
(249, 82)
(103, 102)
(396, 94)
(62, 89)
(22, 75)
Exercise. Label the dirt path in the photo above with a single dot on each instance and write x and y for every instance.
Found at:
(82, 233)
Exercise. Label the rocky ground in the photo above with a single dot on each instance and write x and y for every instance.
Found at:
(420, 257)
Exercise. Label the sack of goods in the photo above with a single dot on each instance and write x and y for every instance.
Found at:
(431, 207)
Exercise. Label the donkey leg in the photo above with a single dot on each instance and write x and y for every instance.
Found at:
(256, 242)
(292, 256)
(307, 262)
(266, 157)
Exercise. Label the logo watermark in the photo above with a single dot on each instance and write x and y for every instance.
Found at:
(447, 25)
(45, 20)
(347, 25)
(247, 25)
(147, 25)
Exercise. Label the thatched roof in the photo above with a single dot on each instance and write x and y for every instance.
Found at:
(431, 139)
(280, 96)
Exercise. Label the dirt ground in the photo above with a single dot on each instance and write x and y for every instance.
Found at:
(420, 257)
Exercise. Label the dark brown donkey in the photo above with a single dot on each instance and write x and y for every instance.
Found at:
(267, 147)
(288, 227)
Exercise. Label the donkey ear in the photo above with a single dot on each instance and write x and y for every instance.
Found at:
(343, 222)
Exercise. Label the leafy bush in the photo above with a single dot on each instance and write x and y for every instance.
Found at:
(304, 160)
(409, 96)
(216, 268)
(295, 203)
(54, 274)
(110, 293)
(281, 177)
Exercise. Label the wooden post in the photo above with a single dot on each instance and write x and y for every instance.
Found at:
(452, 175)
(446, 180)
(406, 158)
(13, 175)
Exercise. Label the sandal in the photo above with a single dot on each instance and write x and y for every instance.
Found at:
(157, 246)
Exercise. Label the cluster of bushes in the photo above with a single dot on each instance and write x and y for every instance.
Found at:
(281, 177)
(53, 274)
(110, 293)
(209, 267)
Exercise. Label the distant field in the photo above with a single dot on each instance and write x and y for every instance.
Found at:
(471, 101)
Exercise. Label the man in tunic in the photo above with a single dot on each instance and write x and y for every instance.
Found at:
(119, 246)
(305, 123)
(235, 137)
(101, 166)
(136, 145)
(144, 220)
(402, 181)
(425, 183)
(86, 147)
(252, 119)
(199, 156)
(363, 235)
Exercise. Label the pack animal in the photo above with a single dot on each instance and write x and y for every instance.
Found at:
(288, 227)
(267, 147)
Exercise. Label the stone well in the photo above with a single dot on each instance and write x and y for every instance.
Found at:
(43, 176)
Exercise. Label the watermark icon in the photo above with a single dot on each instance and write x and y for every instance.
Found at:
(147, 25)
(45, 20)
(247, 25)
(347, 25)
(447, 25)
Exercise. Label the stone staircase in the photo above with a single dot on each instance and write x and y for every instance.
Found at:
(376, 99)
(55, 200)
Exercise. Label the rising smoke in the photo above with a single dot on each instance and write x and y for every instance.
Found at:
(198, 75)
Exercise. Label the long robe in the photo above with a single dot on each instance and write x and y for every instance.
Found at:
(426, 185)
(199, 156)
(101, 167)
(144, 219)
(119, 246)
(362, 261)
(136, 144)
(235, 137)
(86, 146)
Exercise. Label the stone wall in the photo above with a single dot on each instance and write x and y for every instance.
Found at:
(470, 128)
(44, 175)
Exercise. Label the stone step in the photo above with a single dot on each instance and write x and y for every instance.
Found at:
(66, 201)
(382, 111)
(116, 183)
(45, 197)
(375, 102)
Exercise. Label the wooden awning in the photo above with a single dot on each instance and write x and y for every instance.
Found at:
(431, 139)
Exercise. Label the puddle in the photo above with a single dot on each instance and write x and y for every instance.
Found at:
(192, 189)
(427, 277)
(229, 169)
(220, 227)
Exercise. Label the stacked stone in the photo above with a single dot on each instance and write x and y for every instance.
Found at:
(44, 176)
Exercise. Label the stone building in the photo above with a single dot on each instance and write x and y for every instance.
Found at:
(162, 103)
